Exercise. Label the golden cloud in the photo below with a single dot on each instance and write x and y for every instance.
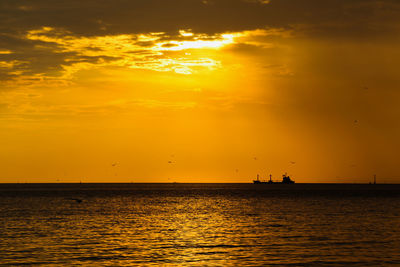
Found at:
(140, 51)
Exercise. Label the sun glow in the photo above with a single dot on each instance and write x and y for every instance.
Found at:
(215, 83)
(185, 33)
(149, 51)
(198, 42)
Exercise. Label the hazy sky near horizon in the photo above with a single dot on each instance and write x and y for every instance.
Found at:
(199, 90)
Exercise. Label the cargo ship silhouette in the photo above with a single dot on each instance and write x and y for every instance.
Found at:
(285, 180)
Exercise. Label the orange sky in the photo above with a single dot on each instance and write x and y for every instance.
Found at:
(199, 91)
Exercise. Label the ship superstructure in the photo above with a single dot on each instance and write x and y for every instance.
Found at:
(285, 180)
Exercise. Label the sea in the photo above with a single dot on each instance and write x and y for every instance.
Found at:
(179, 224)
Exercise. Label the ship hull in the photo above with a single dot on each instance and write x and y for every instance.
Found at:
(259, 182)
(285, 180)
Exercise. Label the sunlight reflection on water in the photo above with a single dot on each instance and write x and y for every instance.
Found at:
(199, 224)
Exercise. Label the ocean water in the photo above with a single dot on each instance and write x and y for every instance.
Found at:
(199, 224)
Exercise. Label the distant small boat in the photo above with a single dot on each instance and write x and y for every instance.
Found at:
(285, 180)
(76, 199)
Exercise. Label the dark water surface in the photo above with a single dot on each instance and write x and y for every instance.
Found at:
(199, 224)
